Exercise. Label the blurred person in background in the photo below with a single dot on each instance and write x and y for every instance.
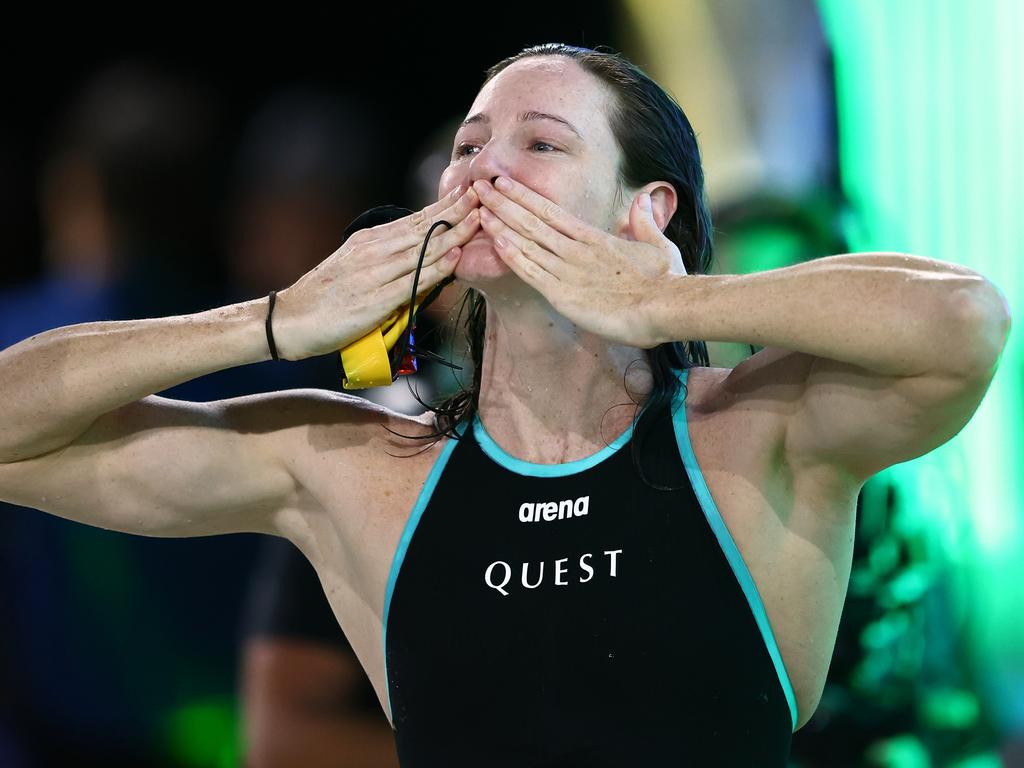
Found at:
(302, 173)
(307, 700)
(128, 202)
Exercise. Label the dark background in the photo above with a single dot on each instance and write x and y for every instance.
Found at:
(124, 650)
(413, 68)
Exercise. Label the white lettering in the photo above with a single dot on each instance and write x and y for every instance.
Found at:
(534, 512)
(613, 553)
(560, 571)
(587, 568)
(508, 577)
(540, 577)
(582, 506)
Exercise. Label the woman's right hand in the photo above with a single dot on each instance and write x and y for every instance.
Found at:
(355, 288)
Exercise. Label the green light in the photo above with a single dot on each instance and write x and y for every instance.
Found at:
(949, 708)
(930, 100)
(980, 761)
(204, 734)
(764, 247)
(899, 752)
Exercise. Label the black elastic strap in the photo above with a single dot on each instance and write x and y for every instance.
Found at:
(270, 330)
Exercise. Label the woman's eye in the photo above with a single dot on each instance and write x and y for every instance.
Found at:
(463, 150)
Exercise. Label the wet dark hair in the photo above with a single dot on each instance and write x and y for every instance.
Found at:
(657, 144)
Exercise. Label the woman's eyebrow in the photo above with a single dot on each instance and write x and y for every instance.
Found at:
(481, 117)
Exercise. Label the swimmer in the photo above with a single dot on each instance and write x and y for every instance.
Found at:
(579, 225)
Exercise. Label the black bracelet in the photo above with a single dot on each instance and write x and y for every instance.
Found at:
(270, 331)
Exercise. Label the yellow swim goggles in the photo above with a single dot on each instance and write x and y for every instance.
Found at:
(387, 352)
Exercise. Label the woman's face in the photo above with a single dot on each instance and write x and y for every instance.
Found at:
(515, 129)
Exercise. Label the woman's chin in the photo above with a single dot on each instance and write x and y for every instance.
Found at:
(479, 261)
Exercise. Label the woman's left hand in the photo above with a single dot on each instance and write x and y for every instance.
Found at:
(603, 283)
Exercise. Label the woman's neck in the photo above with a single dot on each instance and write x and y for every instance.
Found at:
(551, 393)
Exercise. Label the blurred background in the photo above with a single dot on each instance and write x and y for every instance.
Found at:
(168, 169)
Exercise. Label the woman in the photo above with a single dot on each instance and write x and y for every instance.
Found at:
(612, 631)
(538, 587)
(547, 604)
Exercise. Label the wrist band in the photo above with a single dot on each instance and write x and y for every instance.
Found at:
(270, 331)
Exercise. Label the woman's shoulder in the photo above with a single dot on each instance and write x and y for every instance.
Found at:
(416, 433)
(705, 387)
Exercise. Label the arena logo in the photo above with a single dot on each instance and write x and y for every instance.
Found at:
(534, 512)
(499, 573)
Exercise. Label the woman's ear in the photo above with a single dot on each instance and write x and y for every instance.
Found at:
(663, 206)
(663, 202)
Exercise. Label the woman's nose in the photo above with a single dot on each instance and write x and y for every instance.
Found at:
(488, 164)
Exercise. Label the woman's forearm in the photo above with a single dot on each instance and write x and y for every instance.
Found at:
(54, 385)
(888, 312)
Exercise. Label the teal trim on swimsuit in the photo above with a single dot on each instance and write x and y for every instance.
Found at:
(700, 487)
(732, 552)
(403, 543)
(521, 467)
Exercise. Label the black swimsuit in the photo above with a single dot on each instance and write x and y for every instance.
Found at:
(570, 614)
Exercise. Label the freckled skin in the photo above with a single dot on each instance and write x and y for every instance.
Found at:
(550, 392)
(578, 175)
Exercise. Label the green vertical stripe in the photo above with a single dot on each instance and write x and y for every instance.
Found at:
(931, 119)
